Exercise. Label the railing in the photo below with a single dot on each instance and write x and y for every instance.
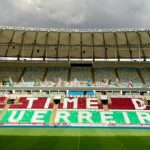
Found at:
(75, 125)
(74, 30)
(75, 84)
(23, 124)
(108, 125)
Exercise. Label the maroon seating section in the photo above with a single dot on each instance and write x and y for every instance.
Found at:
(39, 103)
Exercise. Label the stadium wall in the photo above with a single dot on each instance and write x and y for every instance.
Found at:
(68, 64)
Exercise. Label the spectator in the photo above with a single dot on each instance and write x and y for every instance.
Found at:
(130, 84)
(117, 82)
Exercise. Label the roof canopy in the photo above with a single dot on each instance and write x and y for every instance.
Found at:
(81, 44)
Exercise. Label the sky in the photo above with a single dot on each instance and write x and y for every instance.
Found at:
(80, 14)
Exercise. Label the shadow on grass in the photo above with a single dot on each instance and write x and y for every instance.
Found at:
(74, 143)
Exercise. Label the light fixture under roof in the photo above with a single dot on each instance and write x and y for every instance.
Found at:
(73, 30)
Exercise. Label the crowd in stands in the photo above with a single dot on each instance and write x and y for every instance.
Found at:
(129, 76)
(6, 73)
(104, 77)
(82, 74)
(146, 75)
(33, 73)
(55, 73)
(104, 74)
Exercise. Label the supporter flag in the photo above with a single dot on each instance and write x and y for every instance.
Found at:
(75, 82)
(45, 82)
(89, 83)
(60, 80)
(10, 82)
(22, 80)
(37, 82)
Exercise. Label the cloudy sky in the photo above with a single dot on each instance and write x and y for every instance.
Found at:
(75, 13)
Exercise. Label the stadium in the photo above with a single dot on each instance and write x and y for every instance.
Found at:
(74, 89)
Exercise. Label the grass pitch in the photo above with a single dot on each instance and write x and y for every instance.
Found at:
(73, 139)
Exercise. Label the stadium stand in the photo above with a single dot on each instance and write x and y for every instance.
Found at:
(55, 73)
(98, 77)
(33, 73)
(81, 74)
(38, 103)
(146, 75)
(10, 72)
(105, 74)
(82, 111)
(127, 74)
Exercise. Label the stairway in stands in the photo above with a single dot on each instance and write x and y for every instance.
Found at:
(54, 112)
(45, 74)
(141, 77)
(22, 74)
(93, 74)
(117, 74)
(6, 107)
(69, 75)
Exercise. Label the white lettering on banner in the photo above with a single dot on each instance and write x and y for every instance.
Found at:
(48, 101)
(30, 99)
(127, 120)
(90, 103)
(38, 116)
(107, 117)
(136, 105)
(74, 101)
(62, 115)
(80, 116)
(13, 117)
(143, 117)
(84, 115)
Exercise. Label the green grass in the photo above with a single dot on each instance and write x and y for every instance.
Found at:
(74, 139)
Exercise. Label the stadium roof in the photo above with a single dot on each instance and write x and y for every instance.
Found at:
(45, 43)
